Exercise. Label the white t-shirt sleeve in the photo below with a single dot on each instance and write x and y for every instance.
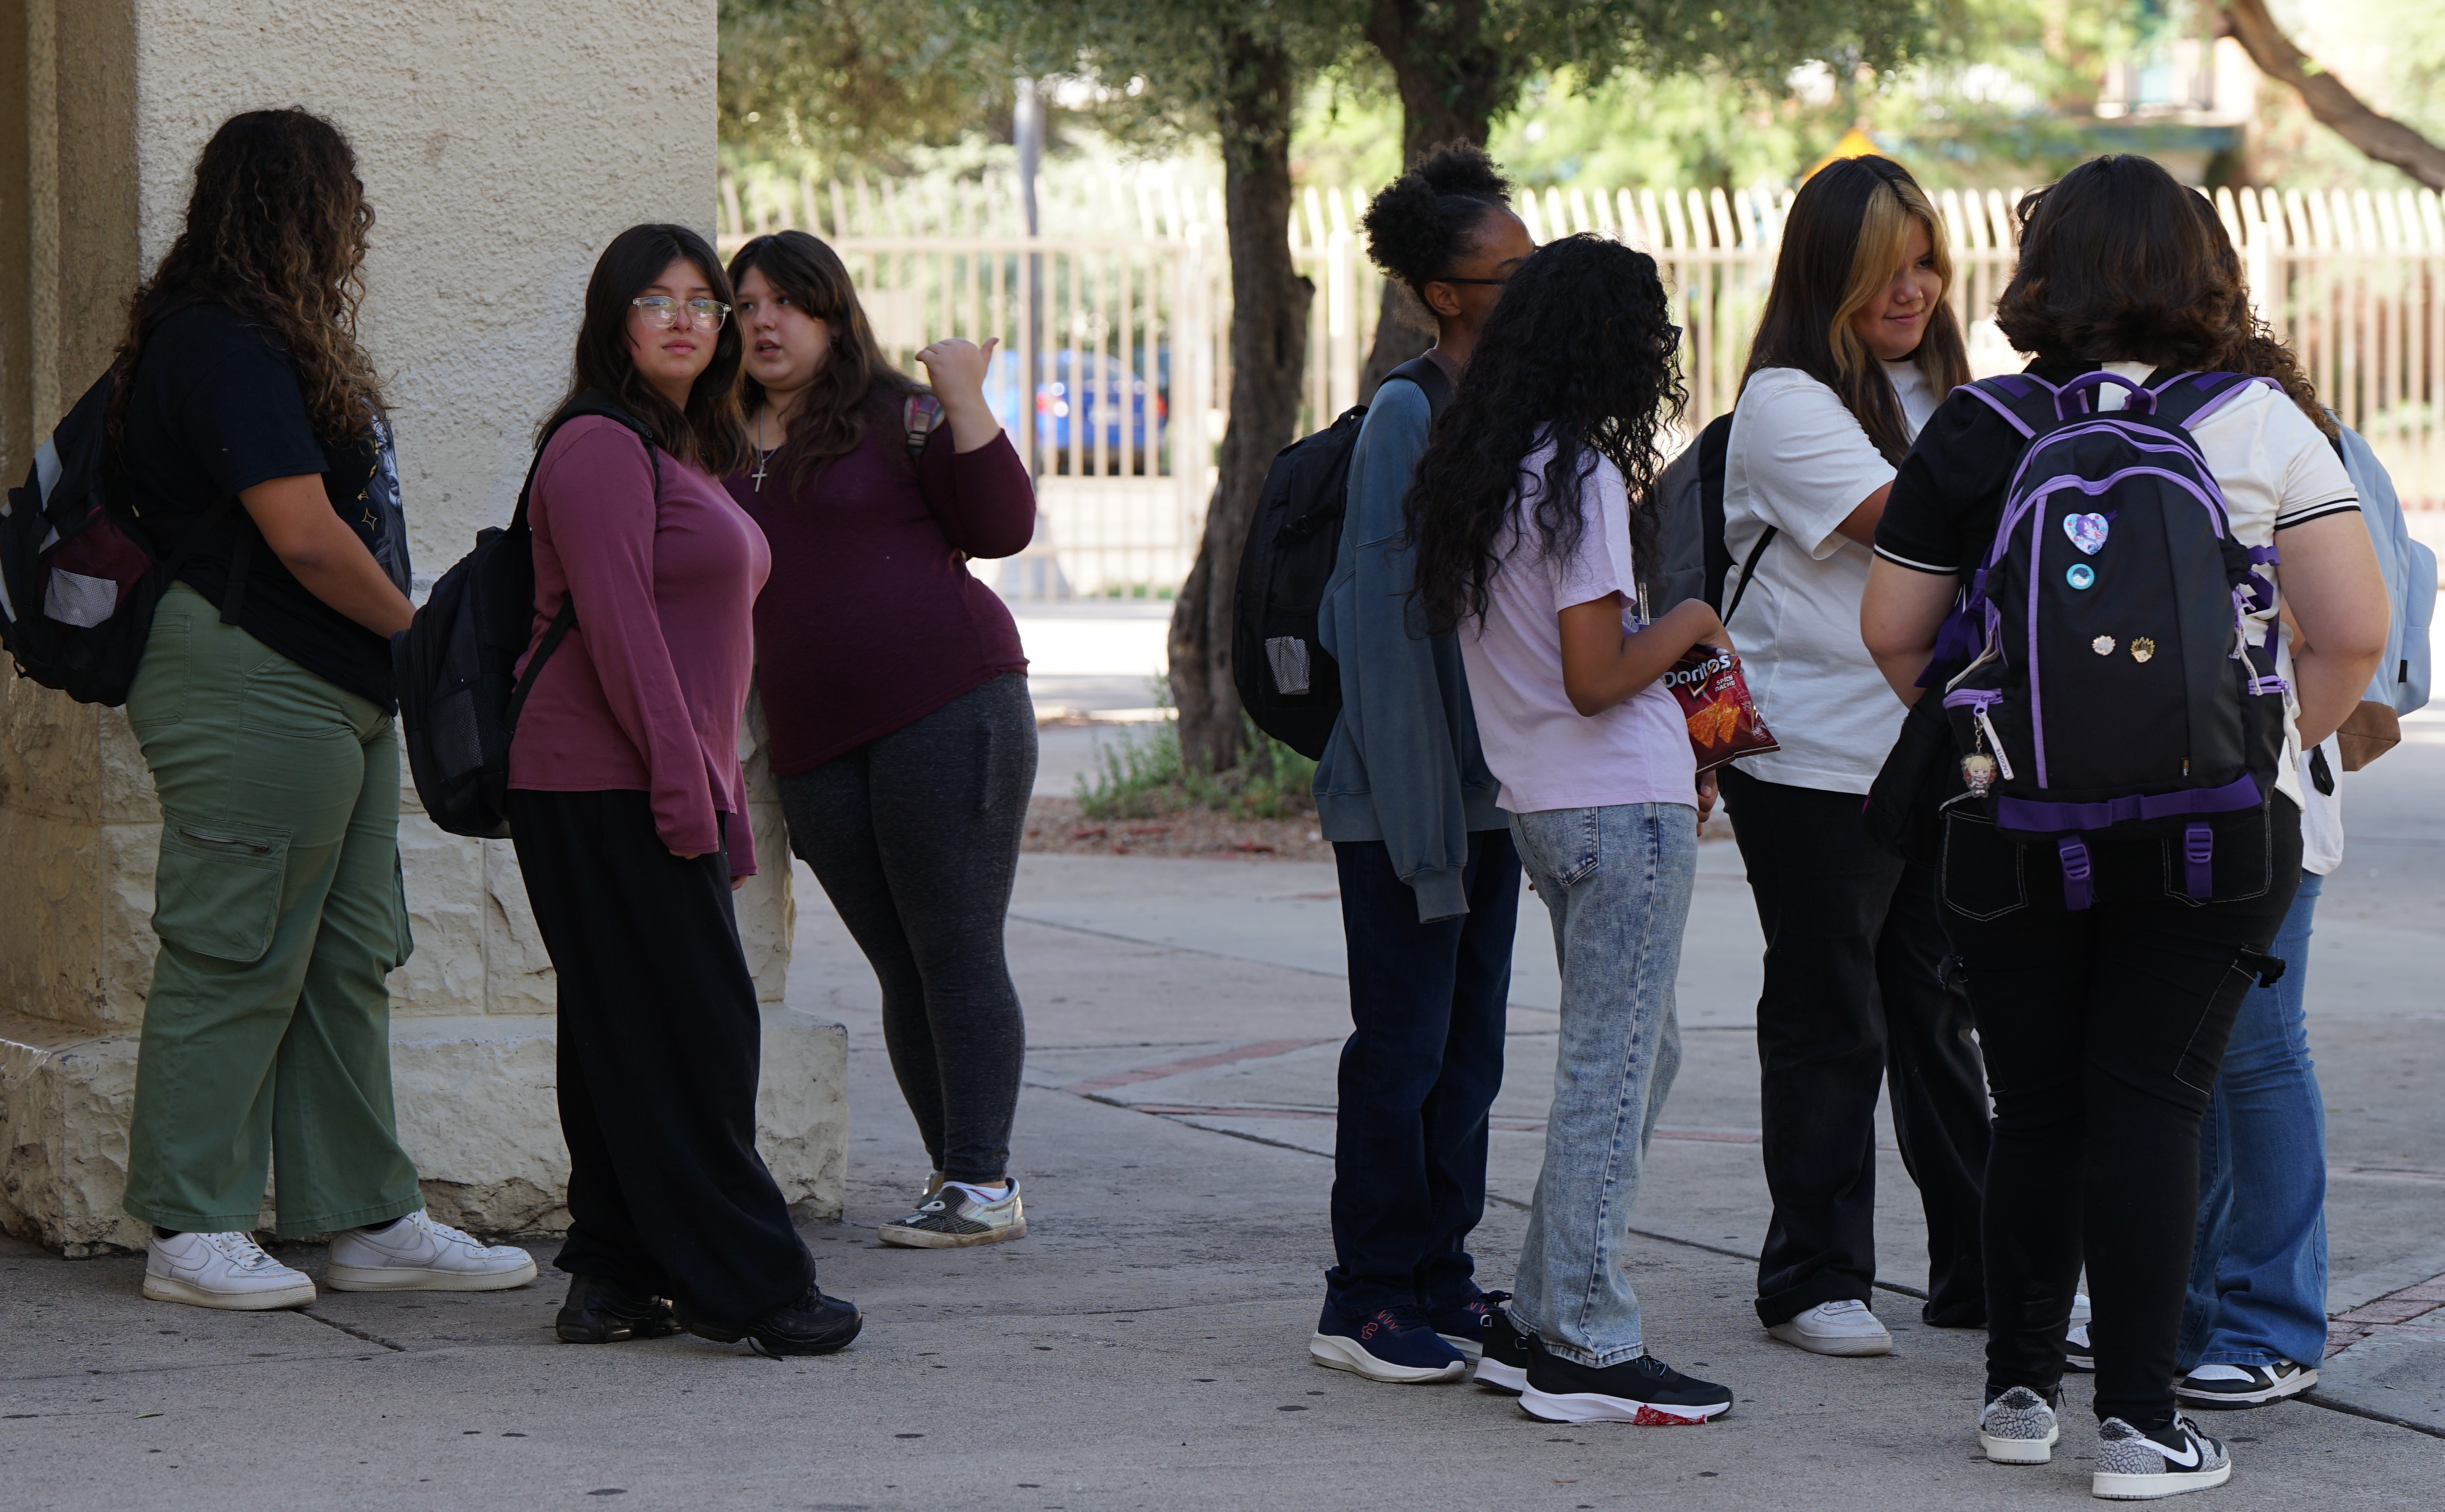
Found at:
(1800, 459)
(1602, 564)
(2315, 484)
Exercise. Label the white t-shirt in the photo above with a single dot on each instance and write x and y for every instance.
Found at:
(1546, 754)
(2275, 470)
(1799, 461)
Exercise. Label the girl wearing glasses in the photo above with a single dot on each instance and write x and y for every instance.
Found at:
(896, 692)
(629, 810)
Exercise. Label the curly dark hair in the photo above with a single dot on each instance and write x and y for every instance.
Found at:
(856, 382)
(1581, 351)
(710, 431)
(276, 231)
(2121, 263)
(1429, 216)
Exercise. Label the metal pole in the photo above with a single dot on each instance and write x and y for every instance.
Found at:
(1027, 131)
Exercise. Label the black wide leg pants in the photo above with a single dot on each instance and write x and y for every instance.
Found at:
(661, 1044)
(1855, 1000)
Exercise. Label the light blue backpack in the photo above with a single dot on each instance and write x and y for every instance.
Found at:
(2402, 681)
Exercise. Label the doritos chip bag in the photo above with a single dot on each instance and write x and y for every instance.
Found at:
(1724, 724)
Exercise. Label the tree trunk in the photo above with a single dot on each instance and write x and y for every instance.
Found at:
(2380, 136)
(1451, 82)
(1269, 314)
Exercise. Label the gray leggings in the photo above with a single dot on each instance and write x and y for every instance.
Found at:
(915, 837)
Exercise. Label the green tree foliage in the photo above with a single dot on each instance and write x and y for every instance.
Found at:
(831, 85)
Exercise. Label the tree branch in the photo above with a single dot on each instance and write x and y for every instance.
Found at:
(2380, 136)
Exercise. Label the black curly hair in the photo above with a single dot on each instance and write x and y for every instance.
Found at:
(1430, 216)
(1581, 351)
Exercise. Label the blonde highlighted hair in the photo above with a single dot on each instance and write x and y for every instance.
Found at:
(1848, 232)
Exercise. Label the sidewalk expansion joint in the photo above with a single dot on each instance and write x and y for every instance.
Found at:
(351, 1332)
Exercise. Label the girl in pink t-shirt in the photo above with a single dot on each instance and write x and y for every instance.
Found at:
(1528, 544)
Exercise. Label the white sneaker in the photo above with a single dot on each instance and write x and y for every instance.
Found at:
(228, 1271)
(956, 1214)
(418, 1255)
(2080, 1311)
(1836, 1327)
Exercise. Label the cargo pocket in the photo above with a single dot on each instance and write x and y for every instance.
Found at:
(217, 892)
(2203, 1054)
(1984, 874)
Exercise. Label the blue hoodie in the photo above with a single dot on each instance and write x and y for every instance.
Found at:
(1402, 765)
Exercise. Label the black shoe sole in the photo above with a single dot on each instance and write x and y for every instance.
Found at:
(596, 1332)
(782, 1346)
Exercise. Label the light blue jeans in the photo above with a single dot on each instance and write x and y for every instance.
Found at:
(2258, 1268)
(1617, 880)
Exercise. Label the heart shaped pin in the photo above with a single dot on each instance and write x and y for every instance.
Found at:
(2087, 531)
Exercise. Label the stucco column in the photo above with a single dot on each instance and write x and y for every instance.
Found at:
(502, 145)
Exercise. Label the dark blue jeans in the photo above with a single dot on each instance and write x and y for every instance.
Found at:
(1421, 1068)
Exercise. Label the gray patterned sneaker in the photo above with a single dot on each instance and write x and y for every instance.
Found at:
(2136, 1466)
(954, 1216)
(2019, 1428)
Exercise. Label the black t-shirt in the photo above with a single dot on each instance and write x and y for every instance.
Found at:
(217, 409)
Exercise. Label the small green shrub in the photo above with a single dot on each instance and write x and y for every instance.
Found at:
(1140, 775)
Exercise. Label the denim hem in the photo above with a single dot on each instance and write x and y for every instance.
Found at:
(1603, 1360)
(2263, 1359)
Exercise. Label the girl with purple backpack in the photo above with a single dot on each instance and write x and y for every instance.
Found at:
(2105, 968)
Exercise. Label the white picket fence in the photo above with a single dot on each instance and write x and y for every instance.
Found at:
(1119, 311)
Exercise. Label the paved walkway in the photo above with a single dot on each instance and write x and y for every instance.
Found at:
(1145, 1347)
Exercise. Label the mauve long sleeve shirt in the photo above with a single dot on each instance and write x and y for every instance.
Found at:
(872, 619)
(647, 691)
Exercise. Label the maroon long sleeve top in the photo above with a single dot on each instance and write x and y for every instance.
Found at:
(647, 691)
(872, 619)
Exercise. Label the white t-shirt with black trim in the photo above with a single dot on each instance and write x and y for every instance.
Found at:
(1797, 460)
(2275, 468)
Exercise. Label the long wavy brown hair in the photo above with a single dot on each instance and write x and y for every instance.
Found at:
(1848, 230)
(855, 383)
(275, 231)
(2121, 263)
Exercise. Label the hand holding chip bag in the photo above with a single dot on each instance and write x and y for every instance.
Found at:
(1724, 724)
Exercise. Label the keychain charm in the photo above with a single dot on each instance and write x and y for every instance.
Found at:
(1978, 774)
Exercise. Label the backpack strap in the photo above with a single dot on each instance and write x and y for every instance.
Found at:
(2027, 403)
(1427, 374)
(919, 415)
(2188, 399)
(1748, 568)
(595, 402)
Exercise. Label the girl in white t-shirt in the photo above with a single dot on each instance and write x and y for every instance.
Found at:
(1857, 343)
(2104, 1027)
(1526, 533)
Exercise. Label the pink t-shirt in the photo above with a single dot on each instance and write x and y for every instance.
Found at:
(647, 691)
(1546, 754)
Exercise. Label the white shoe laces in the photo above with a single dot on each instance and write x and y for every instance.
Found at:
(242, 1251)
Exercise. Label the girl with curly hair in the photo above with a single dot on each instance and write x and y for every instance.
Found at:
(1856, 347)
(2104, 1027)
(1430, 884)
(250, 442)
(1533, 507)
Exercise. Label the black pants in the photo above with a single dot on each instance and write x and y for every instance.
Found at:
(661, 1043)
(1855, 998)
(915, 837)
(1421, 1068)
(2104, 1030)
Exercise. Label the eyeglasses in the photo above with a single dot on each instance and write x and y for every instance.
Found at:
(661, 312)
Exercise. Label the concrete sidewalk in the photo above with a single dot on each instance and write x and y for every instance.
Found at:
(1145, 1346)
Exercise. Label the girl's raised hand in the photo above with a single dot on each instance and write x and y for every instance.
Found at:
(955, 366)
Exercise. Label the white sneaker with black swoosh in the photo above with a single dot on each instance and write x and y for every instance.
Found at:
(2136, 1466)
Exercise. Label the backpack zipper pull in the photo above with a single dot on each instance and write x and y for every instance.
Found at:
(1987, 726)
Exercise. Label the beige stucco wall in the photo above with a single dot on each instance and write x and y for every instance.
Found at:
(501, 145)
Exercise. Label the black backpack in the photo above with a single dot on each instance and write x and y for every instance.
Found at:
(79, 577)
(1287, 682)
(458, 694)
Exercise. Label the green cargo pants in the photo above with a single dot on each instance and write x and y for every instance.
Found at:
(266, 1034)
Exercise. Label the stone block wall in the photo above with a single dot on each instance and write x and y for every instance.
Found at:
(501, 145)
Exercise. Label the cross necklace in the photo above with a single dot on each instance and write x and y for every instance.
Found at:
(762, 457)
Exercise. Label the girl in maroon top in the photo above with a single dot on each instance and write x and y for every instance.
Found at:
(629, 817)
(893, 684)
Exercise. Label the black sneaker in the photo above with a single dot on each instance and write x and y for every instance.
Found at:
(2220, 1388)
(2078, 1354)
(1505, 1363)
(1465, 1327)
(1645, 1390)
(601, 1312)
(814, 1324)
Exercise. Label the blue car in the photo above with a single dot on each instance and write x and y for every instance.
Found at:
(1082, 393)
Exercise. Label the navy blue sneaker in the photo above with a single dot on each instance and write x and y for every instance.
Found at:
(1465, 1327)
(1390, 1344)
(1505, 1363)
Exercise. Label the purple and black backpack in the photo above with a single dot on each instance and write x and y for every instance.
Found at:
(2118, 694)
